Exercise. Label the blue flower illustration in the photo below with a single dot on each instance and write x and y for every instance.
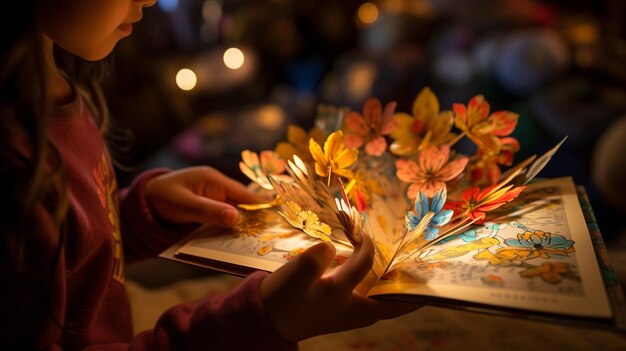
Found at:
(423, 206)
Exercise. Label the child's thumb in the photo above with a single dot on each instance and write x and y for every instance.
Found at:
(356, 267)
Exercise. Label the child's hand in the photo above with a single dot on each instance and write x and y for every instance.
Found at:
(301, 303)
(196, 194)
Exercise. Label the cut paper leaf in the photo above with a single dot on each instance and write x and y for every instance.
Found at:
(526, 170)
(541, 162)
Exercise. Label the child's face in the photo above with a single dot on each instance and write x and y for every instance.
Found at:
(90, 28)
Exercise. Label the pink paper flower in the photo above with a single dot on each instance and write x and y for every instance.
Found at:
(431, 172)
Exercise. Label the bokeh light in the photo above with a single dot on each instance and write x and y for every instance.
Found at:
(269, 117)
(186, 79)
(233, 58)
(368, 13)
(360, 79)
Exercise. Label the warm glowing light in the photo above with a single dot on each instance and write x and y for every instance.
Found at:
(584, 34)
(394, 7)
(186, 79)
(269, 117)
(360, 80)
(233, 58)
(422, 8)
(368, 13)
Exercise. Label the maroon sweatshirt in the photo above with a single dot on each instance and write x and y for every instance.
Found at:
(105, 228)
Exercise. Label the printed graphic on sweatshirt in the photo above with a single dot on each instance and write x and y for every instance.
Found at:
(107, 190)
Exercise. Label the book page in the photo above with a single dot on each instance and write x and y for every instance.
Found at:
(261, 240)
(535, 255)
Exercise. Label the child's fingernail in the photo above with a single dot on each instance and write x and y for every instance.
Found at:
(228, 216)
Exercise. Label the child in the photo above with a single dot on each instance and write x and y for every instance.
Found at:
(64, 237)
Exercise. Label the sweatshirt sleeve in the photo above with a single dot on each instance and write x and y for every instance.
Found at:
(231, 321)
(144, 235)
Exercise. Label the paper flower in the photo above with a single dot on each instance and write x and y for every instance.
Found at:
(427, 126)
(423, 206)
(335, 158)
(258, 169)
(426, 169)
(306, 220)
(298, 143)
(365, 185)
(476, 203)
(370, 128)
(431, 172)
(488, 164)
(351, 221)
(482, 128)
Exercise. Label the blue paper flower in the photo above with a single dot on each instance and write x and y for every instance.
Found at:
(423, 206)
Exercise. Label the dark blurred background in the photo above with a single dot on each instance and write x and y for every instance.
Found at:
(181, 87)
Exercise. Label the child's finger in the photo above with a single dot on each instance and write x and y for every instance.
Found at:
(235, 191)
(216, 212)
(187, 207)
(306, 268)
(356, 267)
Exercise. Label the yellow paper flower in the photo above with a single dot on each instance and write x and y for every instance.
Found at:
(306, 220)
(426, 127)
(298, 143)
(335, 158)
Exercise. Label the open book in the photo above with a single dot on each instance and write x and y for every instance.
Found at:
(449, 227)
(536, 260)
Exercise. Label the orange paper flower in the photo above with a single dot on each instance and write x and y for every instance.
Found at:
(370, 128)
(481, 127)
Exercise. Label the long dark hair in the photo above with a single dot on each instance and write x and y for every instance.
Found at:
(31, 168)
